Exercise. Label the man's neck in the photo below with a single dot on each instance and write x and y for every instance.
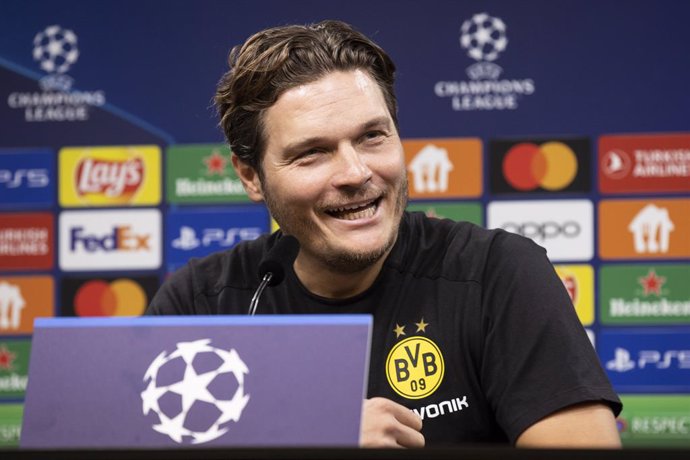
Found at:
(326, 282)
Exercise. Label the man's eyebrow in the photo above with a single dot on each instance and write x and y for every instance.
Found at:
(378, 122)
(303, 144)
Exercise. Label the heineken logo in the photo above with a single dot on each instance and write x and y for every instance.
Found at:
(639, 294)
(202, 174)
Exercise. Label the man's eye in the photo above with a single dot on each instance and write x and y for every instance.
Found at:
(374, 135)
(310, 152)
(307, 155)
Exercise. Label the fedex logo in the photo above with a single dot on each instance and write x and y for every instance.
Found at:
(110, 240)
(120, 239)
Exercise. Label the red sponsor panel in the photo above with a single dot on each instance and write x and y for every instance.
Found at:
(644, 163)
(26, 241)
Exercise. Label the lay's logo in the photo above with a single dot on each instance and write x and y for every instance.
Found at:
(110, 176)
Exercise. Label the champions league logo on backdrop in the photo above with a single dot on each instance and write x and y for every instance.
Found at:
(195, 391)
(56, 50)
(484, 38)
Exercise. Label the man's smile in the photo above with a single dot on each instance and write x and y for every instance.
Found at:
(355, 211)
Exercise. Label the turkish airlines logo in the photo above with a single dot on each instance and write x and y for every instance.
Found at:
(563, 227)
(26, 241)
(110, 178)
(644, 163)
(616, 164)
(110, 240)
(540, 166)
(444, 168)
(642, 229)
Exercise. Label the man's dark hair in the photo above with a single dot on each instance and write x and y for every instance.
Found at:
(274, 60)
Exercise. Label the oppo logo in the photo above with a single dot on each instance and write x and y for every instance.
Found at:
(544, 230)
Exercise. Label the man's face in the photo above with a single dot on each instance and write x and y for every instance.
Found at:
(334, 172)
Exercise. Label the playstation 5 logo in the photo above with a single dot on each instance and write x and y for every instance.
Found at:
(188, 240)
(622, 361)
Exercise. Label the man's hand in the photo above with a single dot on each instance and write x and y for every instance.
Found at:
(388, 424)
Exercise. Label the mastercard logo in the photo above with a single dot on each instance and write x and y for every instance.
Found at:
(121, 297)
(551, 166)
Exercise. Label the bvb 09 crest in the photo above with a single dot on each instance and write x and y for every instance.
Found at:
(415, 367)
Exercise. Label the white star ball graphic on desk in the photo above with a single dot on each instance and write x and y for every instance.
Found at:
(195, 379)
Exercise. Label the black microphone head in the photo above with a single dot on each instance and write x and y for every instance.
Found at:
(282, 255)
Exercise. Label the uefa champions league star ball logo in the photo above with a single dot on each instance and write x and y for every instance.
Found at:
(484, 37)
(195, 391)
(56, 49)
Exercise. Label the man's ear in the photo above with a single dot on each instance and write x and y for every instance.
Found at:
(250, 179)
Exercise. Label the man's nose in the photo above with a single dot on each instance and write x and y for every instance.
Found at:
(352, 169)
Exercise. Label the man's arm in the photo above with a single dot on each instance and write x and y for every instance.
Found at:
(587, 425)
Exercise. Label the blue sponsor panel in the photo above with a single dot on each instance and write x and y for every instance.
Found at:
(201, 231)
(646, 360)
(27, 178)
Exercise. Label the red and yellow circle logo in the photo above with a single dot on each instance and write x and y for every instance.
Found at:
(121, 297)
(551, 166)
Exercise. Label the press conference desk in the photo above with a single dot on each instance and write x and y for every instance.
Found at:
(456, 453)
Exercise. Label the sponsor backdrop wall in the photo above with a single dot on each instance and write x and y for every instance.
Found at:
(567, 122)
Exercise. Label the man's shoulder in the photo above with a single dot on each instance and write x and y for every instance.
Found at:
(236, 267)
(454, 250)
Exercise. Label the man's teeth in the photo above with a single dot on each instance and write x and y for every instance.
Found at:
(355, 212)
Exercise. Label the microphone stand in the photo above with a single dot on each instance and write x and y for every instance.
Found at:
(255, 299)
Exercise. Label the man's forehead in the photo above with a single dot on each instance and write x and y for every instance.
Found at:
(338, 99)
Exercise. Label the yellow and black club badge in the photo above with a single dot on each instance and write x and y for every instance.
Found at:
(414, 367)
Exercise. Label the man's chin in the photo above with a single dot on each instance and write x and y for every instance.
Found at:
(356, 260)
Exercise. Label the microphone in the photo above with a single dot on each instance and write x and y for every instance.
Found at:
(272, 266)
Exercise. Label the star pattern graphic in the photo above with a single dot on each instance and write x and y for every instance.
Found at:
(399, 330)
(215, 163)
(652, 283)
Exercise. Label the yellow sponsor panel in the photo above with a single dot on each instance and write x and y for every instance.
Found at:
(579, 282)
(110, 176)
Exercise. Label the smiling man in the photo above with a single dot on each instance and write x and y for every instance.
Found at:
(475, 339)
